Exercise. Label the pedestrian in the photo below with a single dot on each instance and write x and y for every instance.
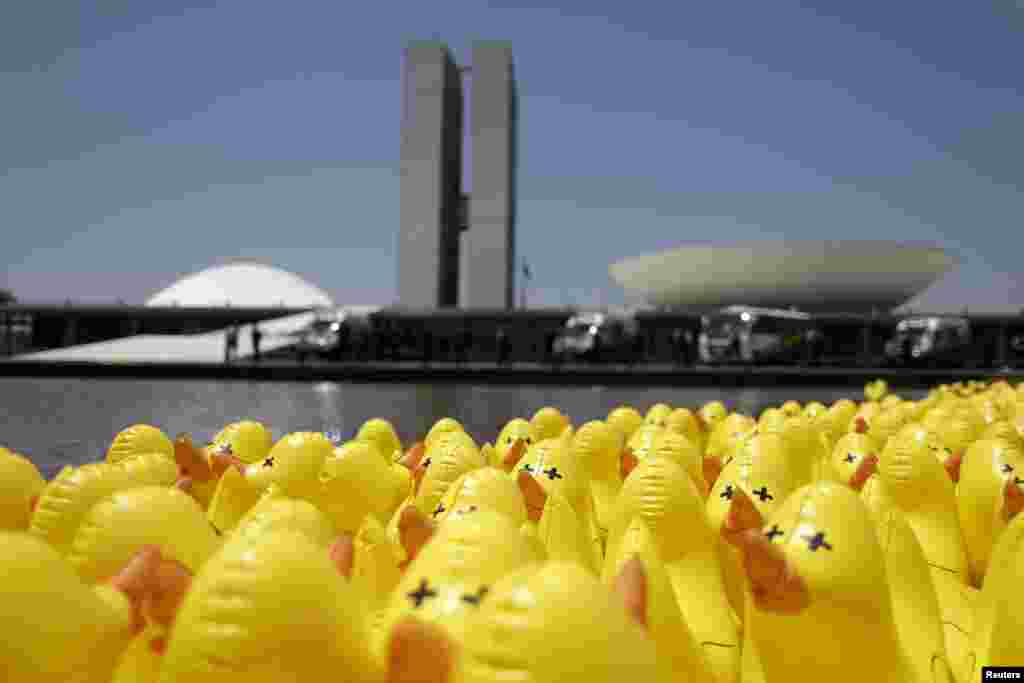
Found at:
(257, 336)
(231, 348)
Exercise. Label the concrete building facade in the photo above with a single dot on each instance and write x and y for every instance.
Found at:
(489, 277)
(453, 249)
(431, 178)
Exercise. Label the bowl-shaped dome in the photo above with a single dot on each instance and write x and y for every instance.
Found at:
(848, 276)
(242, 285)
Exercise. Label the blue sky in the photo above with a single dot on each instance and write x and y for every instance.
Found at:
(143, 141)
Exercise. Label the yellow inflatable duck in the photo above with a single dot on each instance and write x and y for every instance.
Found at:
(269, 608)
(596, 447)
(443, 426)
(791, 408)
(455, 569)
(293, 466)
(382, 434)
(689, 424)
(712, 414)
(548, 423)
(66, 499)
(247, 440)
(626, 419)
(989, 466)
(763, 473)
(913, 481)
(513, 440)
(639, 569)
(684, 451)
(355, 482)
(997, 632)
(20, 487)
(552, 622)
(121, 525)
(876, 391)
(56, 628)
(816, 576)
(661, 494)
(722, 444)
(854, 460)
(138, 440)
(278, 513)
(657, 415)
(567, 527)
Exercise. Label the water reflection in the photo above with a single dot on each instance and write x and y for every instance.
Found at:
(71, 421)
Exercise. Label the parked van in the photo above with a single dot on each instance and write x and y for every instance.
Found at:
(746, 334)
(930, 340)
(597, 336)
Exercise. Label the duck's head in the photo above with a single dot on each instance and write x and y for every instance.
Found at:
(445, 425)
(487, 489)
(446, 459)
(819, 548)
(596, 446)
(382, 434)
(548, 423)
(139, 439)
(626, 419)
(854, 460)
(910, 472)
(276, 513)
(20, 487)
(552, 464)
(712, 413)
(354, 483)
(248, 440)
(513, 440)
(293, 465)
(657, 415)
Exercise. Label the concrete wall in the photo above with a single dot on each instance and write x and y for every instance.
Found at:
(489, 280)
(431, 150)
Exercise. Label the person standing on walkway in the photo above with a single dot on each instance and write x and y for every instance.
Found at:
(231, 345)
(257, 336)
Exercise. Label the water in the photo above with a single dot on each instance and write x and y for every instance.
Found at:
(57, 422)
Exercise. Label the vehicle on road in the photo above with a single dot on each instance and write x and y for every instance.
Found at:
(747, 334)
(597, 336)
(929, 341)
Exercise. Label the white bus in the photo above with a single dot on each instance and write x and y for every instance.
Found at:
(747, 334)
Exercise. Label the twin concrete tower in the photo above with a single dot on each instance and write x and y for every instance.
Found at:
(454, 249)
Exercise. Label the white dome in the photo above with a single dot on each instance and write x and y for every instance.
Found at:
(242, 285)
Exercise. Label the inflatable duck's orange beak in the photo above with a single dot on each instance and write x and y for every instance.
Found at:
(742, 515)
(860, 426)
(134, 581)
(631, 587)
(343, 554)
(534, 495)
(628, 463)
(514, 454)
(191, 463)
(419, 653)
(775, 585)
(220, 462)
(32, 503)
(952, 465)
(414, 455)
(1013, 498)
(414, 530)
(867, 467)
(712, 467)
(170, 582)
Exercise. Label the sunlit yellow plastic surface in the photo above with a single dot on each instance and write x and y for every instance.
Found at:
(516, 430)
(65, 501)
(55, 628)
(678, 650)
(233, 499)
(247, 440)
(994, 637)
(140, 662)
(684, 421)
(382, 434)
(828, 537)
(456, 568)
(139, 439)
(848, 455)
(596, 446)
(657, 415)
(270, 608)
(555, 623)
(443, 426)
(121, 525)
(20, 483)
(548, 423)
(642, 442)
(487, 488)
(626, 419)
(293, 465)
(805, 447)
(375, 570)
(684, 451)
(277, 513)
(1005, 430)
(357, 482)
(916, 608)
(713, 412)
(763, 471)
(150, 469)
(876, 390)
(791, 408)
(659, 492)
(988, 465)
(449, 457)
(724, 438)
